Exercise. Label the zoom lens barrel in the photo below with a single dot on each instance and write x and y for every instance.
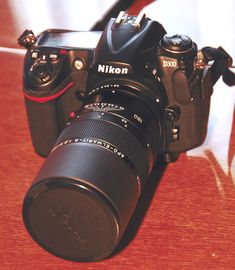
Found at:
(85, 193)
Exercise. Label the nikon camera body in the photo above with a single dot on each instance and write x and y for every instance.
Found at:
(136, 59)
(102, 106)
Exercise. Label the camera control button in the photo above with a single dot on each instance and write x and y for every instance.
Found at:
(175, 133)
(35, 54)
(78, 64)
(53, 56)
(172, 113)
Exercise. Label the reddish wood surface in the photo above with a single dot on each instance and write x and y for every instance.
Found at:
(186, 216)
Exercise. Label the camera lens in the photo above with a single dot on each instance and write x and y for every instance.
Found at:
(85, 193)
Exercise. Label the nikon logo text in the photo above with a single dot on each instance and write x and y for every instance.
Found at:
(112, 70)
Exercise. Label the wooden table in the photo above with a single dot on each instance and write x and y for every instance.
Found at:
(185, 218)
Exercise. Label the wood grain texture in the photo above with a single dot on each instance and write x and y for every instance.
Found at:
(185, 218)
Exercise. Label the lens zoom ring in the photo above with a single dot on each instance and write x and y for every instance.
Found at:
(113, 134)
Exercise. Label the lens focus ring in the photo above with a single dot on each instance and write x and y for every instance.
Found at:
(113, 134)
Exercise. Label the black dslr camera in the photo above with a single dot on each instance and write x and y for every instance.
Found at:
(103, 106)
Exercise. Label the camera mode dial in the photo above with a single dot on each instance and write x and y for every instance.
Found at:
(27, 39)
(40, 72)
(178, 45)
(43, 64)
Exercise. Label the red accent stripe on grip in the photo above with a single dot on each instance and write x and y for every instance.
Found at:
(46, 99)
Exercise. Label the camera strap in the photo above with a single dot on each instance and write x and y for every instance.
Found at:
(221, 65)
